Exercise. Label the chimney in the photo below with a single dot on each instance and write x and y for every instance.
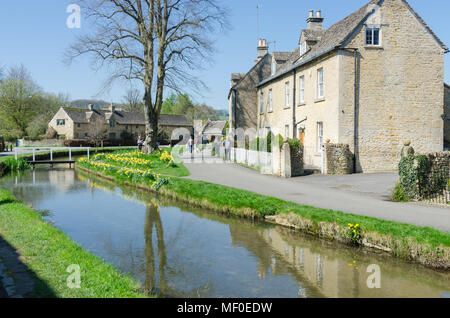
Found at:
(263, 49)
(112, 108)
(91, 107)
(315, 22)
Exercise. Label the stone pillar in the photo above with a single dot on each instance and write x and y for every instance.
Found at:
(286, 171)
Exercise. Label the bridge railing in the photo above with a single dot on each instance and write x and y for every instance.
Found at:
(33, 150)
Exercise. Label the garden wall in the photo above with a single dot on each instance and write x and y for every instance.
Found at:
(426, 177)
(338, 159)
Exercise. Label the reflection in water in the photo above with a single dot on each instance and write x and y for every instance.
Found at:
(177, 251)
(153, 220)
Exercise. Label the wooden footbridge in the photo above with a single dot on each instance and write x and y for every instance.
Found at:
(51, 150)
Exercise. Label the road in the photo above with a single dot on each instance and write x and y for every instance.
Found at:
(362, 194)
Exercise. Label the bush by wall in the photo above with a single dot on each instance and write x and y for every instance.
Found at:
(424, 176)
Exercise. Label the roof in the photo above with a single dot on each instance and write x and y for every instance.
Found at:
(237, 76)
(446, 85)
(246, 74)
(336, 36)
(311, 35)
(214, 127)
(80, 116)
(281, 56)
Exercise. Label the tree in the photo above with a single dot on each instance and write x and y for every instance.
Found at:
(97, 130)
(155, 42)
(19, 100)
(132, 101)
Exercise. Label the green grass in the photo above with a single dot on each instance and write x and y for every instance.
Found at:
(48, 252)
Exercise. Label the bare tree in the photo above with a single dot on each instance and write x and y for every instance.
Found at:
(156, 42)
(97, 130)
(132, 101)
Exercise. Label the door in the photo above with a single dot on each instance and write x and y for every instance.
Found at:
(302, 136)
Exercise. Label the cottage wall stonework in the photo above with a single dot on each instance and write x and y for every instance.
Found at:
(243, 97)
(400, 91)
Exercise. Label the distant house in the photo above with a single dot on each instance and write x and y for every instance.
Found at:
(78, 123)
(214, 130)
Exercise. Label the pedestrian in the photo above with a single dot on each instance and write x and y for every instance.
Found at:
(140, 143)
(227, 145)
(196, 144)
(190, 144)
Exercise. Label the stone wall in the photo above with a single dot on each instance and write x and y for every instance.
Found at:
(400, 91)
(425, 177)
(447, 116)
(43, 143)
(338, 159)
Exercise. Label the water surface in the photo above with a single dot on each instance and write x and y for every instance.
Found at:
(178, 251)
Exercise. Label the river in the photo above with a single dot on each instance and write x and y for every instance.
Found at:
(177, 251)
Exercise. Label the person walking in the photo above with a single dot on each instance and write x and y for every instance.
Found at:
(140, 143)
(227, 145)
(190, 145)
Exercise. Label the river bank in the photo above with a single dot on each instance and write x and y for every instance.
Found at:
(426, 246)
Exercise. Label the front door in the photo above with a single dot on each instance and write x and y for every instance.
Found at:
(302, 136)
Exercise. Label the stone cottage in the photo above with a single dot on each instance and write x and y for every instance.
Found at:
(370, 81)
(242, 97)
(78, 123)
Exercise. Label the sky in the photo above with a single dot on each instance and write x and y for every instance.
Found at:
(35, 34)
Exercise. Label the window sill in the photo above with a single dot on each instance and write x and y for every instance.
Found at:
(319, 100)
(301, 104)
(271, 112)
(286, 107)
(373, 47)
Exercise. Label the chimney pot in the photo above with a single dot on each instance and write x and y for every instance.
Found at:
(311, 13)
(91, 107)
(318, 14)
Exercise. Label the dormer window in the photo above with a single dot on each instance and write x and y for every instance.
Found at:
(372, 36)
(274, 66)
(302, 48)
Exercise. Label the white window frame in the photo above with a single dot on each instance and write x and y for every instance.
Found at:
(286, 131)
(320, 83)
(301, 90)
(261, 103)
(303, 48)
(60, 122)
(287, 97)
(270, 101)
(319, 136)
(372, 30)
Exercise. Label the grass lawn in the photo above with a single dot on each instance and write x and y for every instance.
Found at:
(48, 252)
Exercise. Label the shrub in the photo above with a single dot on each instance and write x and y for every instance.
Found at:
(398, 194)
(13, 165)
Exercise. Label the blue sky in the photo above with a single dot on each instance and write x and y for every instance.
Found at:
(35, 33)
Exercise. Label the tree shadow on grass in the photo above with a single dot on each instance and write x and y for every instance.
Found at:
(7, 201)
(26, 283)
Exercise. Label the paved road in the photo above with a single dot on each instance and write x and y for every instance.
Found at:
(362, 194)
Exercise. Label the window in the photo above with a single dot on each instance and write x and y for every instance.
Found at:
(78, 125)
(137, 126)
(60, 122)
(287, 99)
(320, 88)
(261, 105)
(319, 136)
(270, 101)
(274, 67)
(85, 134)
(302, 89)
(126, 127)
(112, 136)
(286, 131)
(373, 36)
(112, 124)
(302, 48)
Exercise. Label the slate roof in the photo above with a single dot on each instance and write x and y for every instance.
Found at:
(337, 35)
(311, 35)
(281, 56)
(214, 127)
(80, 116)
